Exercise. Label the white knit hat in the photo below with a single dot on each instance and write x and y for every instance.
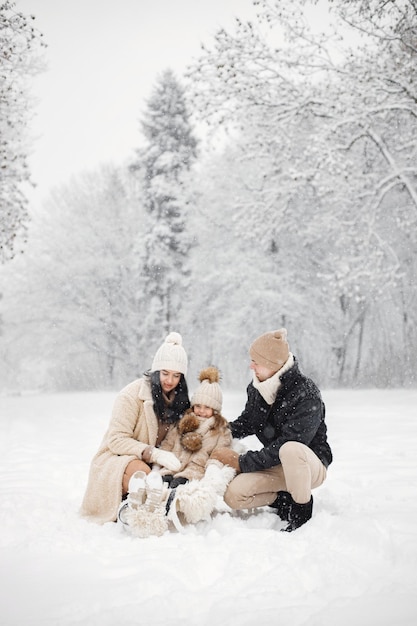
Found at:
(171, 355)
(209, 391)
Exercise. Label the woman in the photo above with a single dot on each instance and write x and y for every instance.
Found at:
(143, 414)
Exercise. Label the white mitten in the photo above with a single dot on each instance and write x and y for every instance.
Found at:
(218, 476)
(165, 459)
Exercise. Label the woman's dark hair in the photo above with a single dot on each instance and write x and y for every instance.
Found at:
(181, 402)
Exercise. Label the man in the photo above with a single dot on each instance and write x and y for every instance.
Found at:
(285, 411)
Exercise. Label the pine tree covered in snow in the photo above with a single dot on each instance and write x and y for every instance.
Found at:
(165, 161)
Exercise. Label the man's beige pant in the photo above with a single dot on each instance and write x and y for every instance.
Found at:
(300, 472)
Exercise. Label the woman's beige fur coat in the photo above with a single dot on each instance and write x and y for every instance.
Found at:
(133, 426)
(193, 463)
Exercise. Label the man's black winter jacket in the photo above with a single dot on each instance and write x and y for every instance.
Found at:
(297, 414)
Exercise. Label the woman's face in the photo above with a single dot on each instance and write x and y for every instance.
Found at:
(169, 380)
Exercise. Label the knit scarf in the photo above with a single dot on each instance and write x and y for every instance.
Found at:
(269, 388)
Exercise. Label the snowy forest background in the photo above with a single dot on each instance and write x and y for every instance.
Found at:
(274, 184)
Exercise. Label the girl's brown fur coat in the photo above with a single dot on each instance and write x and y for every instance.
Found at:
(214, 433)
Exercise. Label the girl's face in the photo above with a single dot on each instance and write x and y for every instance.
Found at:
(201, 410)
(169, 380)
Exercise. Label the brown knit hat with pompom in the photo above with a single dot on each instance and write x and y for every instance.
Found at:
(209, 391)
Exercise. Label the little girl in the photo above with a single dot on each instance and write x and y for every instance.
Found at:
(201, 430)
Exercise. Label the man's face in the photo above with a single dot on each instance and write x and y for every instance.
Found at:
(262, 372)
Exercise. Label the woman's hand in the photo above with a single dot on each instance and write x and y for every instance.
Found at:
(165, 459)
(146, 454)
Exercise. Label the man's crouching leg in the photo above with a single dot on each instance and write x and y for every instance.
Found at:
(303, 472)
(254, 489)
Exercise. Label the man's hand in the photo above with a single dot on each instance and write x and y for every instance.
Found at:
(227, 457)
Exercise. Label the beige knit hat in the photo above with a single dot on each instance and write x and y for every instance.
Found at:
(171, 355)
(209, 391)
(271, 349)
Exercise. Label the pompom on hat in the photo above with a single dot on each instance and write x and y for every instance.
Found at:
(171, 355)
(271, 349)
(209, 391)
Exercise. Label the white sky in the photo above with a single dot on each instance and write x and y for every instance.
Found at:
(103, 58)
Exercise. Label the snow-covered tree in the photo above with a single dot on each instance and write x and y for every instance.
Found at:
(20, 45)
(383, 125)
(339, 123)
(164, 162)
(302, 215)
(72, 306)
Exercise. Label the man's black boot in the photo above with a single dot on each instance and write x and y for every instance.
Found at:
(299, 514)
(282, 504)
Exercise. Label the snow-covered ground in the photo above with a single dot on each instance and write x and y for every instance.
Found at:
(354, 563)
